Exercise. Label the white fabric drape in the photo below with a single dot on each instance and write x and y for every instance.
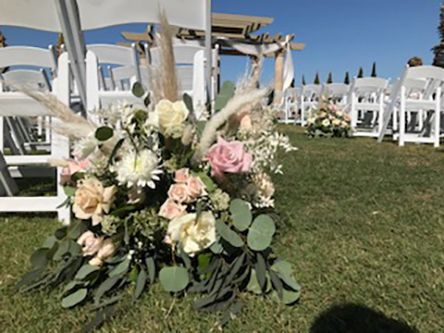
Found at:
(268, 50)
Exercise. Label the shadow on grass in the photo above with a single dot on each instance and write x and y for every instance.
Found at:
(356, 318)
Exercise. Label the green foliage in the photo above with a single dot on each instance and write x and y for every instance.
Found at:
(227, 234)
(361, 72)
(261, 233)
(138, 90)
(241, 214)
(104, 133)
(174, 279)
(330, 78)
(74, 298)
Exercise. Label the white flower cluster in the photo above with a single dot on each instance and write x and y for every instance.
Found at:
(265, 150)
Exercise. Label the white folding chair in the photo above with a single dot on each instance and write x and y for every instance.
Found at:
(291, 103)
(16, 104)
(99, 95)
(337, 92)
(367, 96)
(309, 99)
(428, 82)
(190, 67)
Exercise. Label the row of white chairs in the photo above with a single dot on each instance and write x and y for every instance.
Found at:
(409, 109)
(90, 75)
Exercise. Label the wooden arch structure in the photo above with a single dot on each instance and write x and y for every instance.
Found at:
(231, 30)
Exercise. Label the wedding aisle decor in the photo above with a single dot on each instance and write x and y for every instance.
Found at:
(161, 196)
(328, 121)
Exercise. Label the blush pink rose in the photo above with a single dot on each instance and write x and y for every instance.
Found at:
(90, 243)
(229, 157)
(170, 209)
(178, 193)
(195, 187)
(182, 175)
(71, 168)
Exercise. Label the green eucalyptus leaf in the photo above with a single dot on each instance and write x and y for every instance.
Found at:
(174, 279)
(140, 283)
(285, 272)
(120, 268)
(39, 258)
(216, 247)
(104, 133)
(138, 90)
(74, 298)
(151, 267)
(61, 233)
(253, 285)
(104, 287)
(228, 235)
(49, 242)
(241, 214)
(261, 233)
(69, 191)
(188, 100)
(85, 271)
(289, 296)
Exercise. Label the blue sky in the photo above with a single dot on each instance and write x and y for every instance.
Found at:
(340, 35)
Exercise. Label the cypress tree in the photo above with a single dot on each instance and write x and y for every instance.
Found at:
(330, 78)
(303, 80)
(317, 80)
(347, 78)
(360, 73)
(439, 49)
(374, 70)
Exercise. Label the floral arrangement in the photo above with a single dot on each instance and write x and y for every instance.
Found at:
(161, 196)
(328, 121)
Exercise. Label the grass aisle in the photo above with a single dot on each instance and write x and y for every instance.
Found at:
(363, 225)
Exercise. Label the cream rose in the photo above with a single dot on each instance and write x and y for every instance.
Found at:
(194, 233)
(92, 200)
(90, 243)
(106, 250)
(172, 117)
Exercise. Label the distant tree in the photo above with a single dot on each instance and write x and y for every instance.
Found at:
(3, 44)
(374, 70)
(330, 78)
(347, 78)
(360, 73)
(317, 80)
(439, 49)
(303, 80)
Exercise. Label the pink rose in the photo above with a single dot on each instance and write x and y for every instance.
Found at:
(178, 192)
(182, 175)
(228, 157)
(195, 187)
(71, 168)
(107, 249)
(90, 243)
(170, 209)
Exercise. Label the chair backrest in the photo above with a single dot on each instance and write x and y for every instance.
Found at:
(122, 76)
(311, 91)
(183, 54)
(96, 14)
(25, 56)
(336, 90)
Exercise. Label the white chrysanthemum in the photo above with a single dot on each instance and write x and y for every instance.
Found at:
(138, 169)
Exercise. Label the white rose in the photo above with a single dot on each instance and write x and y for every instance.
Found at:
(172, 117)
(326, 123)
(194, 233)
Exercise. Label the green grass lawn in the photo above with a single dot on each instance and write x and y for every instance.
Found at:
(363, 226)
